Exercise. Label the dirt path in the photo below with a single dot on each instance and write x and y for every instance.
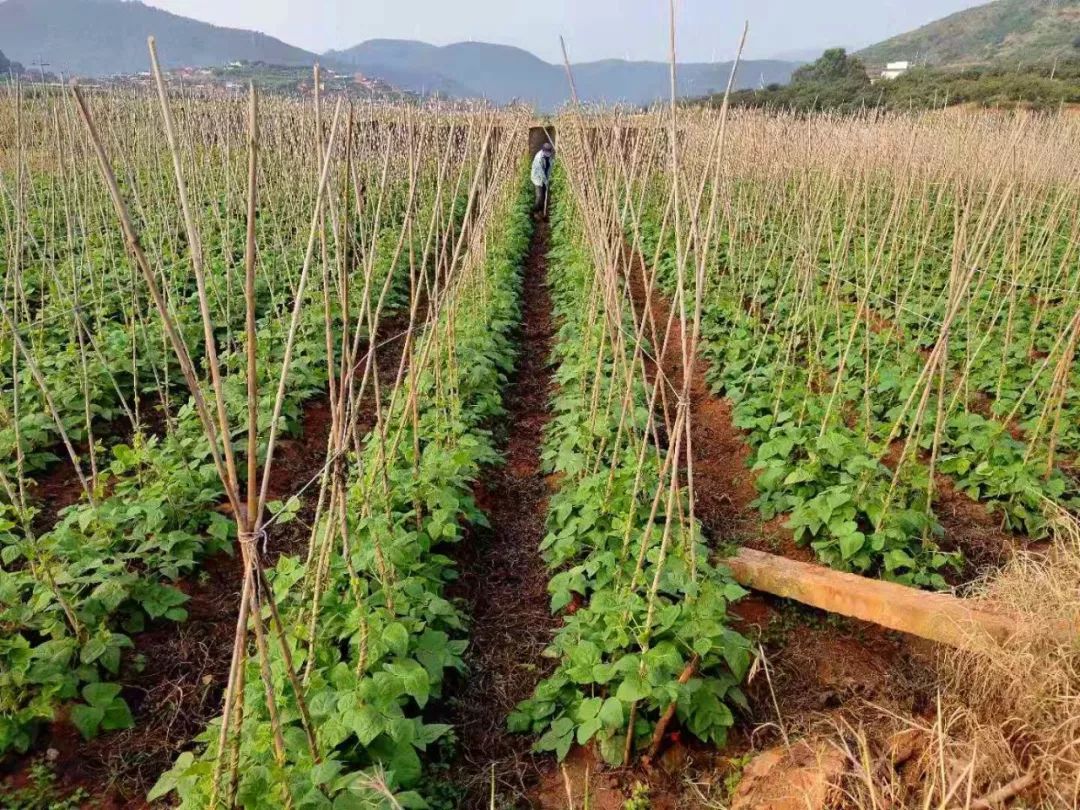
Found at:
(503, 577)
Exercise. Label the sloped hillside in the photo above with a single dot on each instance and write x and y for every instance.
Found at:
(1002, 31)
(8, 66)
(102, 37)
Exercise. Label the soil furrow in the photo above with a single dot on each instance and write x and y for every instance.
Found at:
(820, 665)
(503, 577)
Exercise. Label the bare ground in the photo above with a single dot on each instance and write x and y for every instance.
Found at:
(503, 577)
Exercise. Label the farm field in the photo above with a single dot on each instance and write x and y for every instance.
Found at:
(333, 477)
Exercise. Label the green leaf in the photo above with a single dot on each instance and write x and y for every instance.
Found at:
(632, 688)
(589, 708)
(611, 713)
(414, 679)
(558, 737)
(797, 476)
(851, 544)
(405, 763)
(898, 558)
(737, 656)
(703, 645)
(518, 722)
(117, 716)
(100, 694)
(92, 650)
(254, 786)
(396, 638)
(220, 527)
(562, 748)
(411, 800)
(325, 772)
(348, 800)
(587, 729)
(429, 733)
(87, 719)
(365, 722)
(611, 749)
(167, 783)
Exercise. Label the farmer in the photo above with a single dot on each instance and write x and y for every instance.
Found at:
(541, 176)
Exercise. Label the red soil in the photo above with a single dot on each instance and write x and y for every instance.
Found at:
(503, 578)
(723, 481)
(56, 489)
(972, 528)
(968, 525)
(682, 777)
(818, 667)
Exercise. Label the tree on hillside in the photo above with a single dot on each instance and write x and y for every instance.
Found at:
(835, 65)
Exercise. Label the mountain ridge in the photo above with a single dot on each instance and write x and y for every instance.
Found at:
(105, 37)
(95, 38)
(9, 65)
(505, 73)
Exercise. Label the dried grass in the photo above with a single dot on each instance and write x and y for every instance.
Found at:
(1007, 721)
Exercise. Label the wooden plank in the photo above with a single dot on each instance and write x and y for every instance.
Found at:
(938, 617)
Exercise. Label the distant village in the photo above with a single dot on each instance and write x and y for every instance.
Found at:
(233, 77)
(299, 80)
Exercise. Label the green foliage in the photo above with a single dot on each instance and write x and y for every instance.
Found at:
(387, 635)
(104, 710)
(1038, 86)
(817, 423)
(42, 793)
(835, 65)
(73, 595)
(639, 798)
(828, 481)
(297, 79)
(612, 663)
(1006, 32)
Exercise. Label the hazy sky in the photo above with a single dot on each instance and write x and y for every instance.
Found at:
(594, 29)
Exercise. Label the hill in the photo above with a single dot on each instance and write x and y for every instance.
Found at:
(502, 73)
(104, 37)
(839, 83)
(8, 66)
(1005, 31)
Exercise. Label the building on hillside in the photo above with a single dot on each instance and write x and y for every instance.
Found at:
(895, 69)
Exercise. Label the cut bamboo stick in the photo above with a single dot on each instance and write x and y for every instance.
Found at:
(939, 617)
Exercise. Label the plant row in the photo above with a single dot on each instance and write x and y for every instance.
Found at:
(643, 606)
(73, 596)
(385, 634)
(823, 376)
